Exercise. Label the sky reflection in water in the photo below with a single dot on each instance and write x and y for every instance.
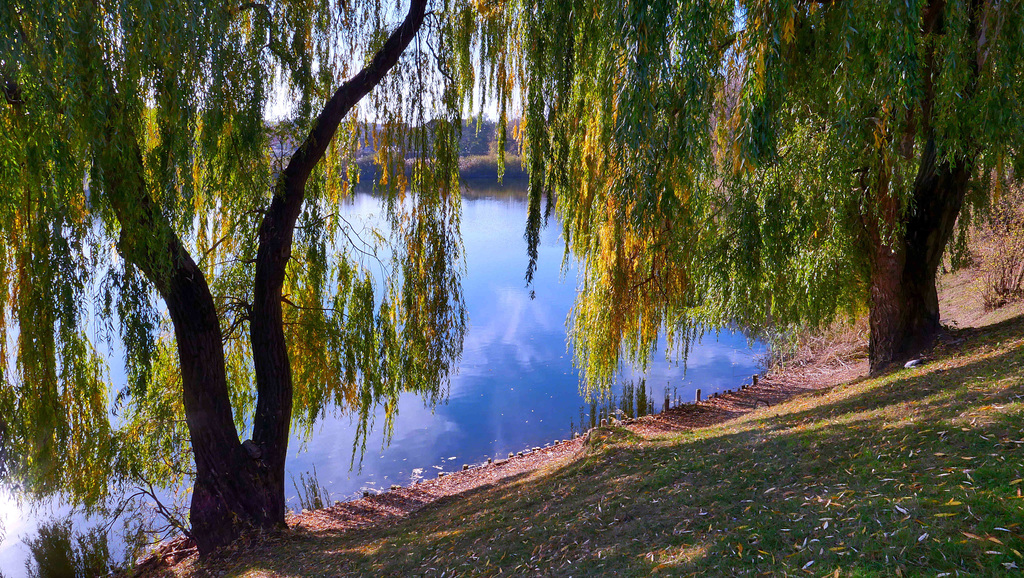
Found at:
(516, 386)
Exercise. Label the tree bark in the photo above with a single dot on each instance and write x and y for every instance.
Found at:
(266, 328)
(904, 302)
(229, 495)
(904, 307)
(886, 317)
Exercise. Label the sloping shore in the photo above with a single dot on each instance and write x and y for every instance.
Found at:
(179, 558)
(400, 502)
(916, 472)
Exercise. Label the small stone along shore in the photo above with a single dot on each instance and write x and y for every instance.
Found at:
(401, 501)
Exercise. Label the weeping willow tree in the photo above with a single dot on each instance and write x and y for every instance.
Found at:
(147, 204)
(770, 162)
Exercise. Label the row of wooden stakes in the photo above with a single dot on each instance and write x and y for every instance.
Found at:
(668, 399)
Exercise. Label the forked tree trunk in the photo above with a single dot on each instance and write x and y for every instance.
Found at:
(266, 328)
(904, 303)
(230, 494)
(237, 489)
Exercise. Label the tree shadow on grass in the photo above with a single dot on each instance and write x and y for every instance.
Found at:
(333, 537)
(932, 391)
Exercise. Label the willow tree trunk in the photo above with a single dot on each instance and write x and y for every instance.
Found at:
(231, 493)
(904, 302)
(238, 488)
(904, 306)
(266, 328)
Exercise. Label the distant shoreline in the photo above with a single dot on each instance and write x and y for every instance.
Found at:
(471, 168)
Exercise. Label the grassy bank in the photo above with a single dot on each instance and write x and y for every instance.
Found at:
(915, 473)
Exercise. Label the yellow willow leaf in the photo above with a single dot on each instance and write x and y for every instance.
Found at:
(789, 27)
(997, 186)
(759, 72)
(737, 159)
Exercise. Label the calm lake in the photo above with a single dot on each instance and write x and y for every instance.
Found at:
(516, 386)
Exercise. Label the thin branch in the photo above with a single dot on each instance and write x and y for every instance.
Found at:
(172, 520)
(121, 507)
(214, 246)
(230, 332)
(318, 220)
(12, 92)
(287, 301)
(440, 62)
(371, 252)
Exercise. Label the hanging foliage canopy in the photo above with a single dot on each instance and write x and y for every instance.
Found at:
(762, 162)
(147, 203)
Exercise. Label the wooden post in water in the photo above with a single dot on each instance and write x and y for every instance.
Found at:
(698, 395)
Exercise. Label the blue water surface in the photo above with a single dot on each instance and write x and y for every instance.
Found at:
(516, 386)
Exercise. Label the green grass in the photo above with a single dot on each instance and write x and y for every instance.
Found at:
(917, 473)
